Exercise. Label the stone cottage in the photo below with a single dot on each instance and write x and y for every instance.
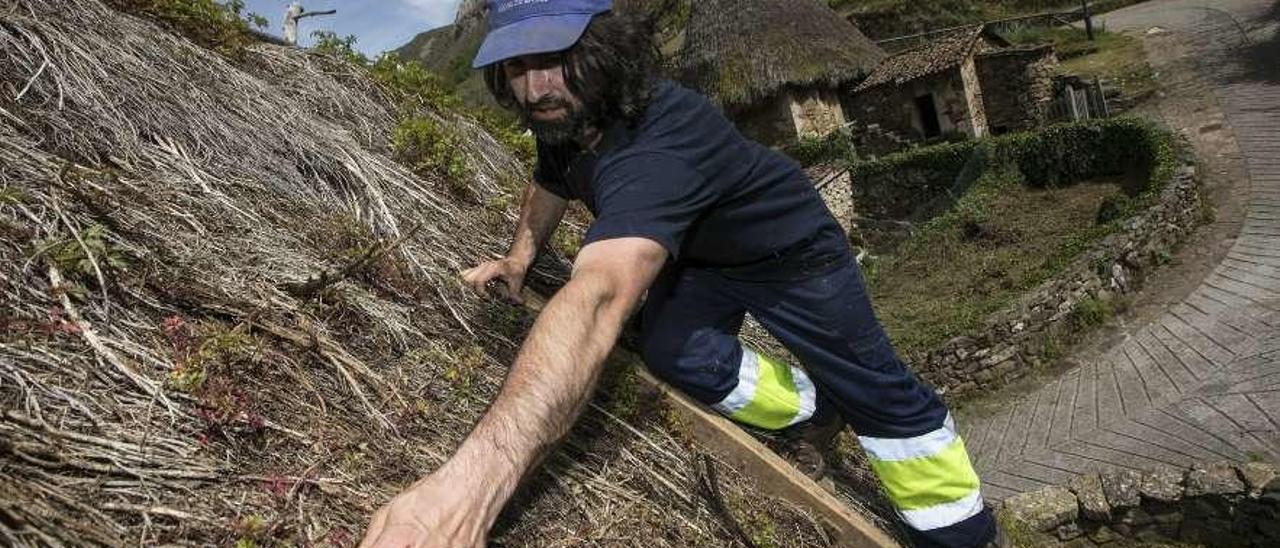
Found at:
(776, 67)
(970, 82)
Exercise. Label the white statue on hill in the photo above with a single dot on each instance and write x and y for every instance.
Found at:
(293, 14)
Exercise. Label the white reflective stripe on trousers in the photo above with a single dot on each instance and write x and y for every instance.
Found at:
(890, 449)
(945, 514)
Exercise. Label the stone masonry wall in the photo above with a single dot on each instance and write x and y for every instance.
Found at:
(975, 123)
(1017, 87)
(1013, 341)
(768, 122)
(892, 108)
(833, 183)
(1219, 504)
(816, 112)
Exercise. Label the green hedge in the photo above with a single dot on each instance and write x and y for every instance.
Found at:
(1067, 153)
(893, 186)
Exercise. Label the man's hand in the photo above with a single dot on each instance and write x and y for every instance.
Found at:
(508, 270)
(431, 514)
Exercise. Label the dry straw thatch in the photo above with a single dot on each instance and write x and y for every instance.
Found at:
(739, 52)
(160, 384)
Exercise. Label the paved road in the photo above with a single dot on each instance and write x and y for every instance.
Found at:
(1202, 382)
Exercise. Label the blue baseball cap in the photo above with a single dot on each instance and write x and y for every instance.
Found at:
(524, 27)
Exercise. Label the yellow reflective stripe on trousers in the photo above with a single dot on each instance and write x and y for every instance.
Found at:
(769, 394)
(928, 478)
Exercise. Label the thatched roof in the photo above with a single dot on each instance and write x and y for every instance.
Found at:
(941, 54)
(162, 384)
(740, 51)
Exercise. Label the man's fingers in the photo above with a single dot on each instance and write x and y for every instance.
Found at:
(477, 278)
(513, 289)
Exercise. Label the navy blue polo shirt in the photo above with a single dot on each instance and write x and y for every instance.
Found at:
(685, 178)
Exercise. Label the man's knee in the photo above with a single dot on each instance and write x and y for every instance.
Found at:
(703, 364)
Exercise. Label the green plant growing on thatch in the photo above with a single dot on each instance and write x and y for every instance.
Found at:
(567, 241)
(12, 195)
(412, 86)
(75, 256)
(220, 26)
(329, 43)
(458, 366)
(428, 146)
(756, 524)
(207, 350)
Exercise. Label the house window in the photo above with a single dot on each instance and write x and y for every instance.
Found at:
(927, 109)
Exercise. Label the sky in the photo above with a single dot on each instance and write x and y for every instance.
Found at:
(379, 25)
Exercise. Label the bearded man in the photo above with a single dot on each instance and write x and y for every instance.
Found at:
(702, 226)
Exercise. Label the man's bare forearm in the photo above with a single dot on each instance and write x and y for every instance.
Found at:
(544, 393)
(540, 214)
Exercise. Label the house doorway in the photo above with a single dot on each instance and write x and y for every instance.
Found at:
(927, 109)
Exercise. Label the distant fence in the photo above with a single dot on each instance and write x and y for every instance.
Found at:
(1047, 19)
(1080, 100)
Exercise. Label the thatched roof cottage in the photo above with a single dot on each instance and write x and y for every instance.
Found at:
(774, 66)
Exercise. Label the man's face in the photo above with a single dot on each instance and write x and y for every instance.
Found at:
(545, 102)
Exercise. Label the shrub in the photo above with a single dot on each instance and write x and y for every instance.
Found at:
(220, 26)
(429, 147)
(1091, 312)
(411, 85)
(833, 146)
(413, 88)
(344, 47)
(1054, 156)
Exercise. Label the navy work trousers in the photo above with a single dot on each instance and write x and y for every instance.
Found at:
(689, 338)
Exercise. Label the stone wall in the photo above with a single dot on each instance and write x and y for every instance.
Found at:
(832, 182)
(1017, 87)
(1218, 504)
(816, 112)
(975, 121)
(887, 108)
(768, 122)
(895, 188)
(1012, 342)
(892, 108)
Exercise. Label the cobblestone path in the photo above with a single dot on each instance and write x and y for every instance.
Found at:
(1202, 382)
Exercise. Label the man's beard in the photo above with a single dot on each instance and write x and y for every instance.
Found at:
(556, 132)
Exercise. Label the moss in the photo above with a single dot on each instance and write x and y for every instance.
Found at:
(1019, 534)
(458, 366)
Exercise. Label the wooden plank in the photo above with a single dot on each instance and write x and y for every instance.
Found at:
(772, 473)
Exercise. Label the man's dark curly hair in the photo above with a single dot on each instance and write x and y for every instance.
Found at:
(613, 70)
